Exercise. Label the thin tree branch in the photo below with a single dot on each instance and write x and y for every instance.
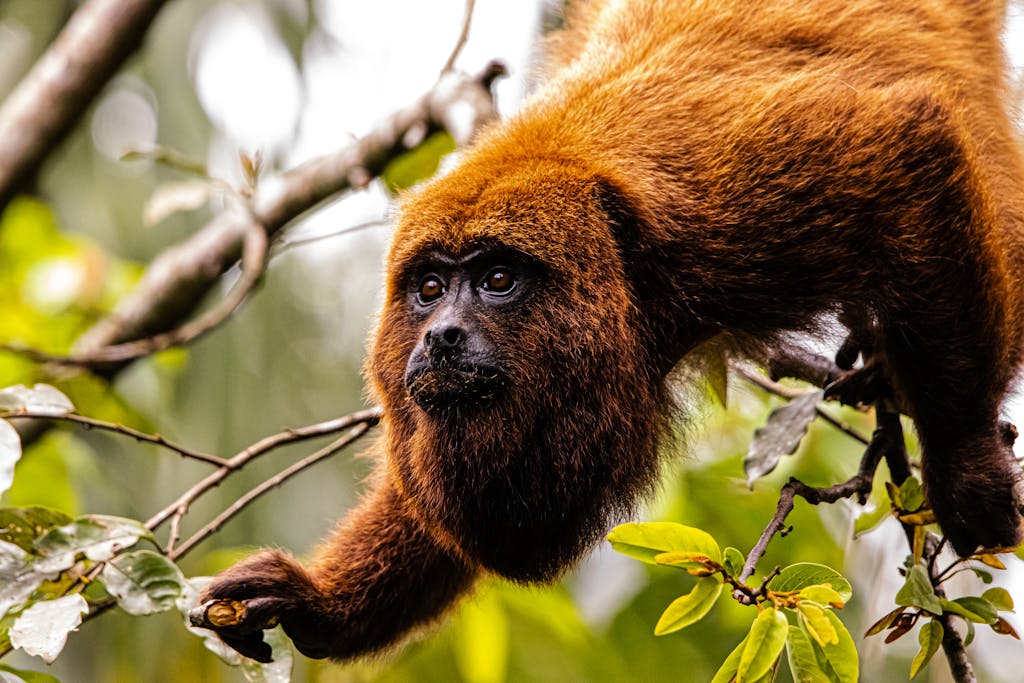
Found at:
(286, 244)
(370, 416)
(275, 481)
(467, 19)
(52, 97)
(92, 423)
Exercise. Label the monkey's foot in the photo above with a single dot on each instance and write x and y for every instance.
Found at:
(257, 594)
(980, 502)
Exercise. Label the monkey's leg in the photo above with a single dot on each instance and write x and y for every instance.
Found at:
(378, 576)
(952, 340)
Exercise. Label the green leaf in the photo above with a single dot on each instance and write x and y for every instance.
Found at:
(97, 537)
(687, 560)
(43, 628)
(917, 591)
(802, 575)
(716, 370)
(816, 623)
(930, 638)
(23, 675)
(911, 495)
(480, 642)
(1000, 598)
(867, 521)
(143, 582)
(10, 453)
(980, 611)
(727, 672)
(733, 560)
(838, 660)
(780, 435)
(986, 577)
(646, 541)
(803, 663)
(689, 608)
(823, 595)
(22, 526)
(763, 646)
(418, 164)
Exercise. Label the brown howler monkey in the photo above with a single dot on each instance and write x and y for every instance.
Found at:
(689, 169)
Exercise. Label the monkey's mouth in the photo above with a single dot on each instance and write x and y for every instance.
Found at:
(453, 386)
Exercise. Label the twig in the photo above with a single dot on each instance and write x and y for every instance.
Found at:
(92, 423)
(54, 95)
(785, 392)
(467, 19)
(369, 417)
(287, 244)
(254, 259)
(267, 485)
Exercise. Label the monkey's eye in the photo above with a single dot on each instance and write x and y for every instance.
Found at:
(499, 281)
(431, 288)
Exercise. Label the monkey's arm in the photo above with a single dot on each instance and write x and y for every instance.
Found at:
(377, 577)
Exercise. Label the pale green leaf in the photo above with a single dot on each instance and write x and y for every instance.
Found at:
(22, 526)
(802, 575)
(763, 646)
(930, 638)
(917, 591)
(981, 610)
(1000, 598)
(911, 494)
(817, 624)
(727, 672)
(24, 676)
(733, 560)
(689, 608)
(41, 398)
(838, 660)
(803, 663)
(824, 595)
(646, 541)
(96, 537)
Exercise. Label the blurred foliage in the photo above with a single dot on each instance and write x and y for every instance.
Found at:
(292, 356)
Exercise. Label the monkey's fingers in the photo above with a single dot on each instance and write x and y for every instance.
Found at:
(240, 624)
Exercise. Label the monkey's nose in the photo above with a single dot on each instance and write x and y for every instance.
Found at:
(444, 338)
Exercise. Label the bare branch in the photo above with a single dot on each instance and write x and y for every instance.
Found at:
(467, 19)
(369, 417)
(178, 279)
(92, 423)
(52, 97)
(275, 481)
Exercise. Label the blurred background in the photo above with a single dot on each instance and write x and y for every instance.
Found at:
(293, 79)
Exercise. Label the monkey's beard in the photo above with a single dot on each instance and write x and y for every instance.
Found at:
(522, 475)
(447, 392)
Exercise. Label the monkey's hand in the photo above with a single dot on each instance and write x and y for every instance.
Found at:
(258, 593)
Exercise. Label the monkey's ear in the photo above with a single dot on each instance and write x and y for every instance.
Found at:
(624, 218)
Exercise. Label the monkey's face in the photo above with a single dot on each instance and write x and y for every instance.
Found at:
(454, 301)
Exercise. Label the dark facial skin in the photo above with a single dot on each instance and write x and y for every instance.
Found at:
(456, 364)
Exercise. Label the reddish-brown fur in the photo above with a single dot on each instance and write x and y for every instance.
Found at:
(690, 169)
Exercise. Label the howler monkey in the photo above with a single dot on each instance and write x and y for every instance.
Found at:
(689, 169)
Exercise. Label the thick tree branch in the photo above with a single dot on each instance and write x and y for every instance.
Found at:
(52, 97)
(177, 280)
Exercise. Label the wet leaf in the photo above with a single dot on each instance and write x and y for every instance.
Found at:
(41, 398)
(97, 537)
(10, 454)
(43, 628)
(780, 435)
(22, 526)
(143, 582)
